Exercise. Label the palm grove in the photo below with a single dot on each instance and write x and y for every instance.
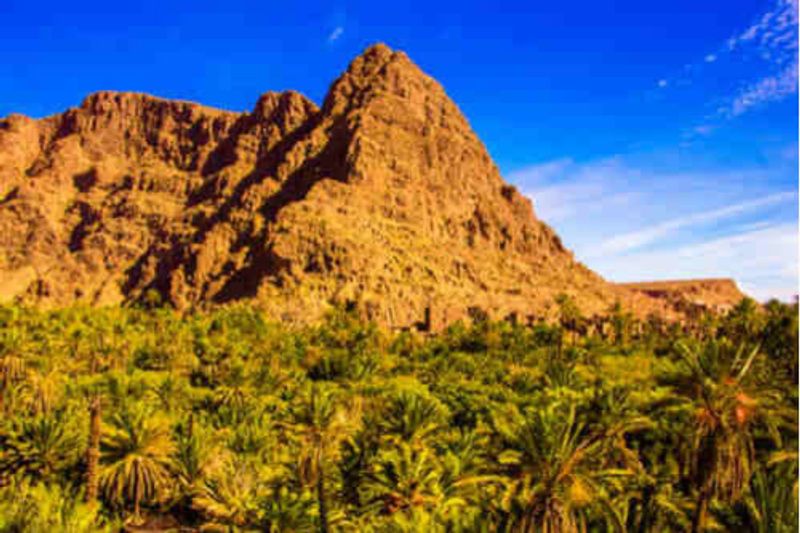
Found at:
(224, 421)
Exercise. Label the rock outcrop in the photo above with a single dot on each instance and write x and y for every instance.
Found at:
(384, 196)
(718, 295)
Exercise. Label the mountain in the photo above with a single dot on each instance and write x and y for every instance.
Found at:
(383, 197)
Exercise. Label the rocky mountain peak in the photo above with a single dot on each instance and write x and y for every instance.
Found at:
(384, 197)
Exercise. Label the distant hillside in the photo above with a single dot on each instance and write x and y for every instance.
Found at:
(716, 294)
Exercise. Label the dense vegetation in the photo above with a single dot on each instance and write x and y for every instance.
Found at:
(224, 421)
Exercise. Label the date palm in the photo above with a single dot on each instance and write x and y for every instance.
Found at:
(403, 478)
(555, 473)
(40, 447)
(772, 502)
(232, 495)
(93, 449)
(718, 386)
(12, 371)
(322, 424)
(41, 391)
(412, 416)
(135, 458)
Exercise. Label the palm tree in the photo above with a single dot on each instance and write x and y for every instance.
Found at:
(40, 447)
(569, 315)
(412, 416)
(12, 370)
(403, 478)
(195, 460)
(93, 450)
(96, 346)
(322, 424)
(555, 473)
(726, 403)
(233, 495)
(620, 322)
(743, 323)
(772, 501)
(41, 391)
(135, 456)
(409, 480)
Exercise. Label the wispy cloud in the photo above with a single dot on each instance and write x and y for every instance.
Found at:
(643, 237)
(768, 51)
(543, 172)
(562, 188)
(773, 31)
(334, 36)
(763, 261)
(773, 38)
(768, 89)
(637, 219)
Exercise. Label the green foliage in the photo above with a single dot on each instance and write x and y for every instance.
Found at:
(136, 452)
(226, 421)
(42, 507)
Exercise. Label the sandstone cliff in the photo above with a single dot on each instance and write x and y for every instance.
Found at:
(383, 196)
(713, 294)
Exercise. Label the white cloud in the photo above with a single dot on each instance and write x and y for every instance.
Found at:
(643, 237)
(337, 32)
(763, 261)
(663, 83)
(775, 29)
(769, 89)
(766, 50)
(773, 37)
(703, 129)
(542, 172)
(562, 189)
(638, 221)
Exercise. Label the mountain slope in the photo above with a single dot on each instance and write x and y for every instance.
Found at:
(384, 197)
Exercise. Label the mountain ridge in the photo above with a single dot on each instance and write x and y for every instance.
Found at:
(383, 196)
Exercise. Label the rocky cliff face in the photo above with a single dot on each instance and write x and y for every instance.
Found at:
(384, 197)
(713, 294)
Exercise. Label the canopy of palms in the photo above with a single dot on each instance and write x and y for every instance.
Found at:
(555, 472)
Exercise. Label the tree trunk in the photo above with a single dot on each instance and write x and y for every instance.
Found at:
(93, 452)
(645, 510)
(699, 518)
(323, 508)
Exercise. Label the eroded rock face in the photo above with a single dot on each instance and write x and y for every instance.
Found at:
(384, 196)
(718, 295)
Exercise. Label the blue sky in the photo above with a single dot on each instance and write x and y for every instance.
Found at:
(659, 138)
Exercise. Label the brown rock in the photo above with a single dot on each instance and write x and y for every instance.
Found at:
(713, 294)
(384, 196)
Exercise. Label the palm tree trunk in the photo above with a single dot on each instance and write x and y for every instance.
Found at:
(322, 505)
(93, 452)
(699, 518)
(644, 510)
